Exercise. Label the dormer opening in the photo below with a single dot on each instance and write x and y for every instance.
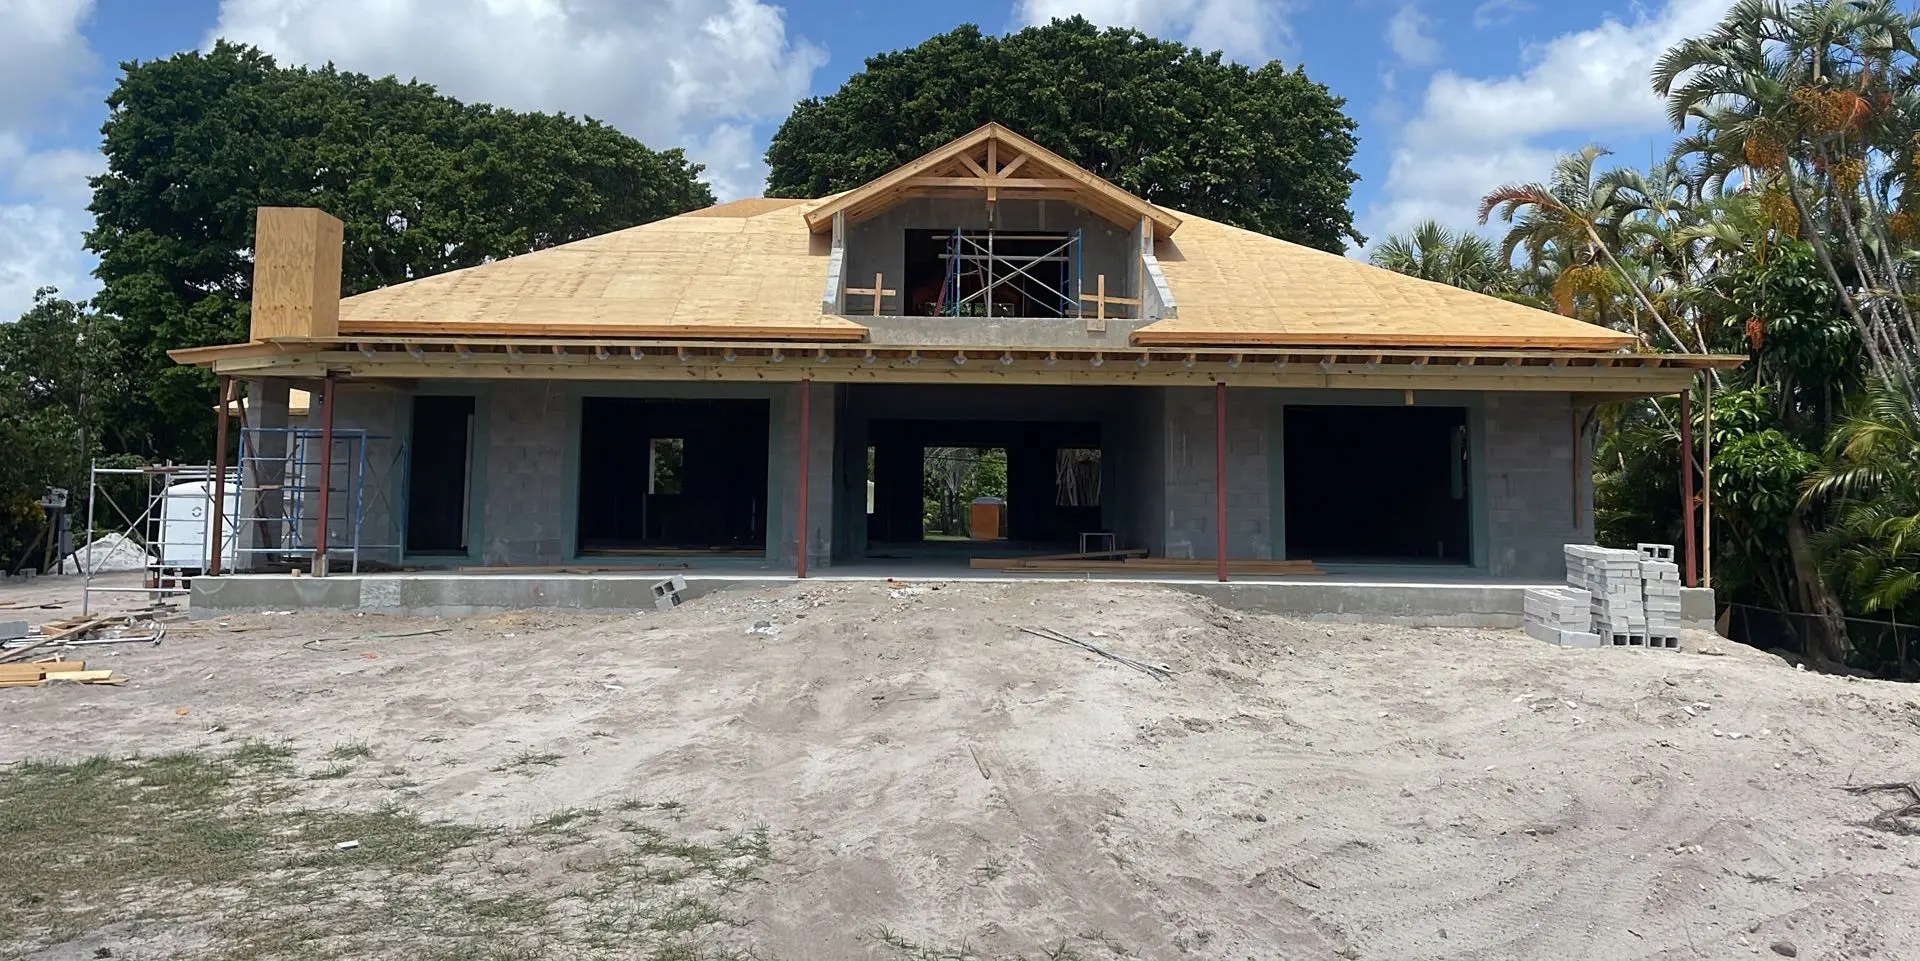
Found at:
(992, 273)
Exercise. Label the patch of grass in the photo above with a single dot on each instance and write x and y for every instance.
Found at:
(526, 761)
(331, 772)
(265, 755)
(992, 870)
(215, 842)
(350, 752)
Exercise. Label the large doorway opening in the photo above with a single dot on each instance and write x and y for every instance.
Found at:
(440, 476)
(1377, 484)
(982, 486)
(672, 475)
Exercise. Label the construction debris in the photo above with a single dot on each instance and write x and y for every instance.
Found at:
(1156, 671)
(35, 675)
(78, 631)
(666, 594)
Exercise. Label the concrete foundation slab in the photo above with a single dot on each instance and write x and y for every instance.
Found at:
(1417, 603)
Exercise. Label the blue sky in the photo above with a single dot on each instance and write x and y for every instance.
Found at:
(1452, 96)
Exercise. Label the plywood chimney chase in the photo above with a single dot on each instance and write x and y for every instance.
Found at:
(296, 273)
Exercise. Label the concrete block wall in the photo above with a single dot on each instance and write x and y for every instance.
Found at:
(1529, 474)
(523, 458)
(1189, 487)
(382, 412)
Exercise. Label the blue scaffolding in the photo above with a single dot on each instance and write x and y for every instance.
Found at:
(279, 494)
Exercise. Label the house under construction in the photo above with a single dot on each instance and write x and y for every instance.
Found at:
(756, 384)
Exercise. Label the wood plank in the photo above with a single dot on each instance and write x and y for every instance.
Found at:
(84, 677)
(1002, 563)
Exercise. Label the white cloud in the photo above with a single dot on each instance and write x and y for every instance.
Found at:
(1472, 134)
(1494, 13)
(1250, 31)
(1409, 37)
(40, 246)
(44, 193)
(693, 73)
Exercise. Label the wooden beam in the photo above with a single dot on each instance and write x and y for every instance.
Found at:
(1005, 183)
(877, 292)
(1012, 165)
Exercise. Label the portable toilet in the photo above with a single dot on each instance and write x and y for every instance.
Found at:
(983, 518)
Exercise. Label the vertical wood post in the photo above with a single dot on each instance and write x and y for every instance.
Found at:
(806, 439)
(1686, 484)
(1220, 478)
(326, 478)
(219, 528)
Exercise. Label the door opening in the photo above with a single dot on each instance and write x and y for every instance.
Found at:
(439, 475)
(1377, 484)
(680, 475)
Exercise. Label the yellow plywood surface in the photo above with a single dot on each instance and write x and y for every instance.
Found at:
(1237, 287)
(296, 273)
(753, 269)
(749, 268)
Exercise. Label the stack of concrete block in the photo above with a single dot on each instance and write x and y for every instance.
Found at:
(1613, 578)
(1560, 615)
(1660, 585)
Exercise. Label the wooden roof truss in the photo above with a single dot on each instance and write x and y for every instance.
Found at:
(993, 163)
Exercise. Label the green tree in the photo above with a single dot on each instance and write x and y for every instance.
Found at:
(55, 362)
(424, 184)
(1262, 148)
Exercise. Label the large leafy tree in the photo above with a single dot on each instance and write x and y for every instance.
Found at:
(1262, 148)
(423, 182)
(56, 361)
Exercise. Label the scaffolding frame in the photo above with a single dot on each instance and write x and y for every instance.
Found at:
(359, 480)
(977, 248)
(155, 529)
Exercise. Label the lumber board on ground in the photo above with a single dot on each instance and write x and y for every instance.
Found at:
(84, 677)
(1002, 563)
(32, 675)
(1165, 566)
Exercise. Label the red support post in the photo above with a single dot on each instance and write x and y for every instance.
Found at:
(806, 438)
(1220, 478)
(1686, 485)
(326, 478)
(218, 530)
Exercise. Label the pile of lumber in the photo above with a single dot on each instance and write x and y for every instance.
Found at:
(1134, 561)
(34, 675)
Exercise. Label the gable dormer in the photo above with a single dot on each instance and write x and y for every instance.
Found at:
(993, 225)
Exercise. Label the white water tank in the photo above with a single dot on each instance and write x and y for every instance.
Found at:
(185, 524)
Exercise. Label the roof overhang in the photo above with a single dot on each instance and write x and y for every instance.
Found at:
(994, 163)
(1594, 376)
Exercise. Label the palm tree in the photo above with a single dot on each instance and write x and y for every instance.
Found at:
(1813, 96)
(1576, 214)
(1873, 478)
(1458, 258)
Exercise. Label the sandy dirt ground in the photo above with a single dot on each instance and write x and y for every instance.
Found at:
(943, 782)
